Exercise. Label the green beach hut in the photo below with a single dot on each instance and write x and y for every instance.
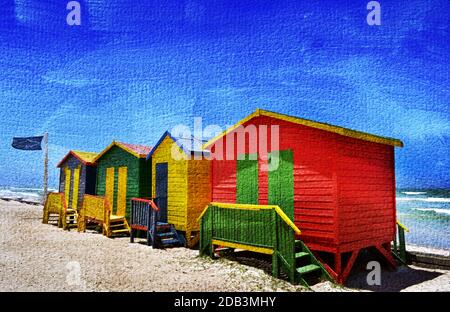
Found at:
(123, 173)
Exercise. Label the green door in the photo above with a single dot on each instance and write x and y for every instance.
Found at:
(281, 182)
(247, 179)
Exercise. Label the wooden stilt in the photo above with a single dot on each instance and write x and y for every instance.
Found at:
(337, 263)
(275, 265)
(387, 255)
(326, 266)
(348, 266)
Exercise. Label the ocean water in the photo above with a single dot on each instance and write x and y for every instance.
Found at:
(426, 213)
(21, 193)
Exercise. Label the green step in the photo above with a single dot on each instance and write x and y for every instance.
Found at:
(308, 269)
(301, 254)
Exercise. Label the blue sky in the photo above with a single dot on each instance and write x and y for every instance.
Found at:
(130, 72)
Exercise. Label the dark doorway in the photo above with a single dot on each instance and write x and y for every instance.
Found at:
(161, 190)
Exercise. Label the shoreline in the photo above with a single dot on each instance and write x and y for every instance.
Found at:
(22, 201)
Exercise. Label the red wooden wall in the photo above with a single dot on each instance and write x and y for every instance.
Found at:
(341, 185)
(366, 193)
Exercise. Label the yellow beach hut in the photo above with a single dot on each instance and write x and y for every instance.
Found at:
(180, 183)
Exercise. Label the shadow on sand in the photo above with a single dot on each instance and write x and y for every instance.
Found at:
(391, 281)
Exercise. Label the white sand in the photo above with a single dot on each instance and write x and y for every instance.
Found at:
(40, 257)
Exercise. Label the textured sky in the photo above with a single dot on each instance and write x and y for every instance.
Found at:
(132, 71)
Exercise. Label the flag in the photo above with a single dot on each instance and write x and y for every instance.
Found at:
(29, 143)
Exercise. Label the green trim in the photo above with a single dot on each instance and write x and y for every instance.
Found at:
(247, 179)
(281, 182)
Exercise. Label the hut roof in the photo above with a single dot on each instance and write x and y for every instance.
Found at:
(313, 124)
(86, 158)
(139, 151)
(189, 145)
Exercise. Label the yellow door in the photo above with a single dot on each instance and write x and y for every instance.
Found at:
(76, 183)
(109, 187)
(122, 191)
(67, 186)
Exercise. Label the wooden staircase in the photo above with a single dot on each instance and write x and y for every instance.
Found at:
(263, 229)
(307, 266)
(56, 212)
(117, 226)
(144, 217)
(70, 221)
(167, 236)
(399, 244)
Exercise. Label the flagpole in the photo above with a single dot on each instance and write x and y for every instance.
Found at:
(45, 167)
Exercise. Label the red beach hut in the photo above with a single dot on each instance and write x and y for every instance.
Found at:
(336, 184)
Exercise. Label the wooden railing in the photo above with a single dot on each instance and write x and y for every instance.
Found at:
(259, 228)
(399, 248)
(54, 204)
(144, 215)
(96, 209)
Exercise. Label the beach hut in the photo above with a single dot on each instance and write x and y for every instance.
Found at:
(336, 185)
(77, 177)
(180, 183)
(123, 173)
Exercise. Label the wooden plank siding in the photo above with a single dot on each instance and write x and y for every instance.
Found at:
(177, 183)
(86, 180)
(189, 189)
(137, 169)
(313, 152)
(366, 188)
(199, 191)
(343, 187)
(344, 181)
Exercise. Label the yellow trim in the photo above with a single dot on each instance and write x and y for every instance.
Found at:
(203, 212)
(267, 251)
(76, 182)
(122, 191)
(287, 220)
(68, 172)
(109, 187)
(313, 124)
(234, 127)
(402, 226)
(88, 157)
(243, 206)
(277, 209)
(115, 143)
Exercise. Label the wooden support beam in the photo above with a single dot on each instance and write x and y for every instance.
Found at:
(348, 266)
(263, 250)
(386, 252)
(333, 274)
(337, 263)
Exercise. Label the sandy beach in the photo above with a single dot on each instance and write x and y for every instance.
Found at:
(41, 257)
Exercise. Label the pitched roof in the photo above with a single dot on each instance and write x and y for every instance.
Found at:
(86, 158)
(139, 151)
(189, 146)
(313, 124)
(142, 150)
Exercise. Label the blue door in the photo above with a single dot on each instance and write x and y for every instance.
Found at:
(161, 190)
